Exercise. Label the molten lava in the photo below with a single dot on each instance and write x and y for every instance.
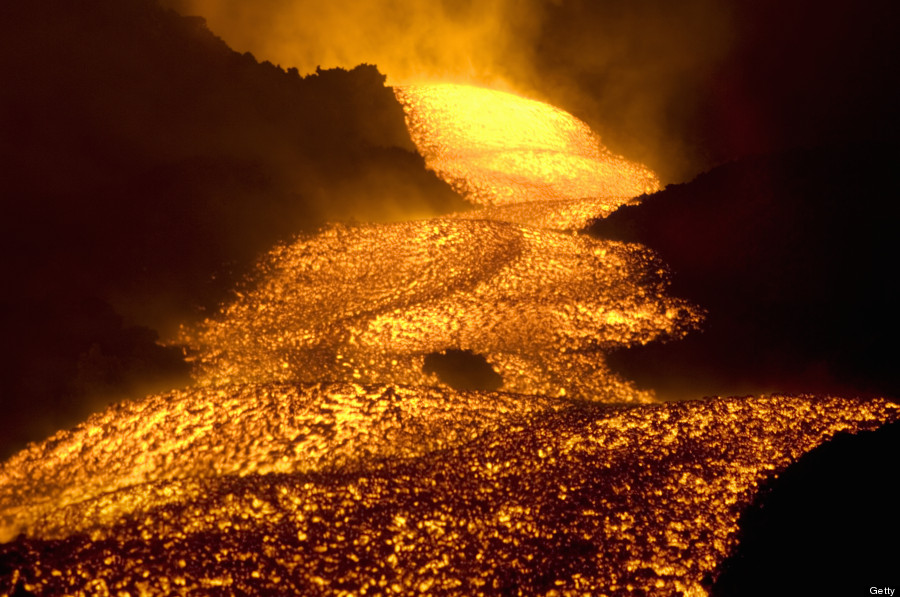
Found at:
(499, 149)
(367, 304)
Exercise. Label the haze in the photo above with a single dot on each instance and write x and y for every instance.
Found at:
(680, 87)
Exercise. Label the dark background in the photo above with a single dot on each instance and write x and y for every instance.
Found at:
(695, 84)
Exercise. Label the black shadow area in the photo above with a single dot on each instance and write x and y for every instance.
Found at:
(828, 525)
(463, 370)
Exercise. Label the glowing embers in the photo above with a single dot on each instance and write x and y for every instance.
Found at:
(368, 304)
(498, 148)
(586, 499)
(117, 461)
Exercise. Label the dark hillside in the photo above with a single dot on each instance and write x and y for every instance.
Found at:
(794, 256)
(134, 140)
(143, 168)
(825, 525)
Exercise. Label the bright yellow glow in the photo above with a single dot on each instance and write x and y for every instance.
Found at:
(500, 149)
(649, 58)
(367, 303)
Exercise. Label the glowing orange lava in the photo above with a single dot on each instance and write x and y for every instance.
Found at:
(346, 489)
(367, 304)
(499, 149)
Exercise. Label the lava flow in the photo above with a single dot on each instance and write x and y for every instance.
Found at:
(528, 162)
(369, 303)
(318, 455)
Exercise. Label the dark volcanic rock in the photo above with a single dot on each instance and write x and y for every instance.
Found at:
(793, 256)
(827, 525)
(463, 370)
(141, 156)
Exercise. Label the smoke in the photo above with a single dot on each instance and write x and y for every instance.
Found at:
(637, 72)
(626, 68)
(410, 41)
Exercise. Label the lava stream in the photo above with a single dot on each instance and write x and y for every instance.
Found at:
(500, 149)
